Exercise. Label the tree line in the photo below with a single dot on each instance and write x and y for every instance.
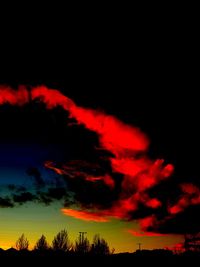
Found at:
(62, 243)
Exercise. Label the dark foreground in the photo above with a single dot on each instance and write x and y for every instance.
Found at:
(143, 258)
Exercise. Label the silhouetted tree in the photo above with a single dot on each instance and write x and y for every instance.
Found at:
(61, 241)
(41, 244)
(82, 245)
(22, 243)
(100, 246)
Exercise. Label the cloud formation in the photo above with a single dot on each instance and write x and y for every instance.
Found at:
(5, 202)
(123, 188)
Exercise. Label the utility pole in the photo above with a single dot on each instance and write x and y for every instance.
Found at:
(81, 236)
(139, 245)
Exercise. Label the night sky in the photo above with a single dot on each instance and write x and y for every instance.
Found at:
(59, 171)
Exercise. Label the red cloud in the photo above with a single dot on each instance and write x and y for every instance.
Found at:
(14, 97)
(190, 196)
(147, 222)
(128, 145)
(179, 247)
(140, 233)
(107, 180)
(51, 97)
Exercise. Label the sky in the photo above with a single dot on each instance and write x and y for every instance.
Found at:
(86, 160)
(114, 149)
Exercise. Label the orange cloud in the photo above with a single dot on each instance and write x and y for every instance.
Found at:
(84, 215)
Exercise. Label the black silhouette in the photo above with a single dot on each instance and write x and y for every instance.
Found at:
(82, 244)
(61, 242)
(100, 246)
(192, 242)
(22, 243)
(97, 254)
(41, 244)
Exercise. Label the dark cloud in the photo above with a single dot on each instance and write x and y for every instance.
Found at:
(44, 199)
(24, 197)
(6, 203)
(12, 187)
(56, 193)
(19, 195)
(16, 188)
(89, 194)
(47, 196)
(185, 222)
(53, 194)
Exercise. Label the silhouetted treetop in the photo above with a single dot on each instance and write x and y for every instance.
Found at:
(41, 244)
(61, 241)
(22, 243)
(100, 246)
